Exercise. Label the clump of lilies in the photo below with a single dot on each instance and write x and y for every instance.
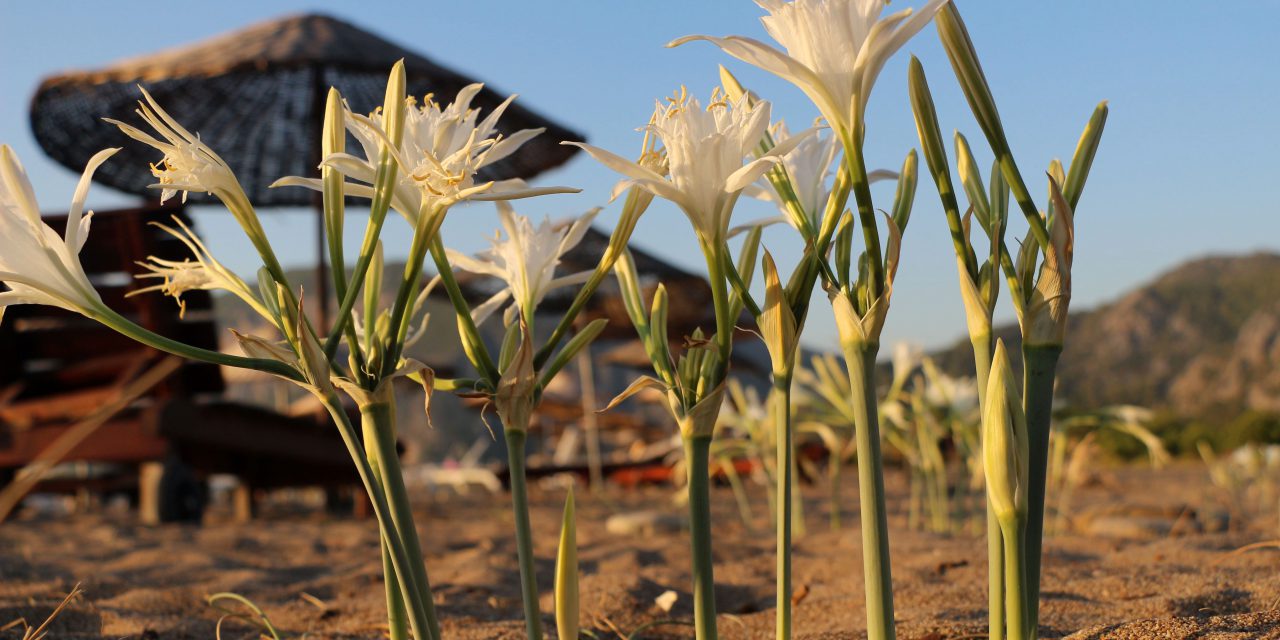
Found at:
(422, 159)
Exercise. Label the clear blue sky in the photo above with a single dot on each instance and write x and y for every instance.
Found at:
(1185, 168)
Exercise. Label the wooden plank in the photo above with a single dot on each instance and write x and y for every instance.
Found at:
(67, 407)
(251, 431)
(127, 439)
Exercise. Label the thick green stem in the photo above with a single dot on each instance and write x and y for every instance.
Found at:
(397, 616)
(1039, 365)
(381, 416)
(697, 451)
(875, 527)
(995, 574)
(397, 620)
(786, 472)
(524, 533)
(421, 622)
(1015, 553)
(982, 348)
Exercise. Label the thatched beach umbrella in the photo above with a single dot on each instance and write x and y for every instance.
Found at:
(257, 96)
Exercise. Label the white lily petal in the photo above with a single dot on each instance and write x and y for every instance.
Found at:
(506, 146)
(572, 279)
(750, 172)
(759, 54)
(74, 239)
(520, 194)
(486, 309)
(616, 162)
(881, 174)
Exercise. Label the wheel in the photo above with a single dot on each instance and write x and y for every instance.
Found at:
(183, 495)
(169, 491)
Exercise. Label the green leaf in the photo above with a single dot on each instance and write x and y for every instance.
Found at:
(1082, 160)
(632, 296)
(971, 179)
(571, 349)
(566, 583)
(372, 292)
(905, 196)
(510, 342)
(973, 82)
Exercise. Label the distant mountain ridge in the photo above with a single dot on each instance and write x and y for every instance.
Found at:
(1201, 339)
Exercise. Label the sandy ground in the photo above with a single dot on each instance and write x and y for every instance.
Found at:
(1144, 561)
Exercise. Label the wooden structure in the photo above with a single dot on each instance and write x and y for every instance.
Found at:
(56, 367)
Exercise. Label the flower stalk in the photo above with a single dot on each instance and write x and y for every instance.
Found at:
(697, 453)
(524, 531)
(1006, 453)
(878, 577)
(1039, 278)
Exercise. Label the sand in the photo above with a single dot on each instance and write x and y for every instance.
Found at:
(1144, 561)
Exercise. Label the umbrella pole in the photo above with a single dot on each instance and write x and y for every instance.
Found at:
(319, 95)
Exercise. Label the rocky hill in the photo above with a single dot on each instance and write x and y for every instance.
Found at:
(1202, 339)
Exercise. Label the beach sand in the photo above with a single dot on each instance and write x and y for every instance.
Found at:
(1150, 556)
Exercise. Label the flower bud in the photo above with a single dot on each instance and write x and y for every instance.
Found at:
(777, 322)
(514, 399)
(1005, 446)
(1044, 318)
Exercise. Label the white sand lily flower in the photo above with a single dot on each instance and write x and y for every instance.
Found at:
(705, 148)
(189, 164)
(442, 152)
(526, 259)
(835, 49)
(204, 273)
(37, 265)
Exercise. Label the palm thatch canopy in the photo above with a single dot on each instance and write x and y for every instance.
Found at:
(257, 96)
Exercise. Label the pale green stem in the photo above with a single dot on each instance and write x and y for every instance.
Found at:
(429, 221)
(384, 185)
(524, 533)
(636, 202)
(697, 451)
(397, 616)
(421, 623)
(720, 302)
(471, 342)
(995, 547)
(133, 331)
(397, 622)
(875, 527)
(1015, 552)
(1039, 366)
(785, 447)
(797, 502)
(382, 415)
